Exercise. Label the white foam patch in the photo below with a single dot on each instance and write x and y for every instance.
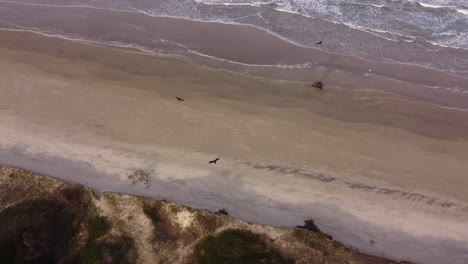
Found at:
(462, 11)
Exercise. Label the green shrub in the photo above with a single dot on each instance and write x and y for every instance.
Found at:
(97, 226)
(236, 246)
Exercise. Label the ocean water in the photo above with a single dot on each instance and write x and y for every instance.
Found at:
(424, 33)
(431, 33)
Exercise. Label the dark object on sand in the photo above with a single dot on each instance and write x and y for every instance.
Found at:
(319, 43)
(180, 99)
(317, 85)
(222, 211)
(311, 226)
(213, 161)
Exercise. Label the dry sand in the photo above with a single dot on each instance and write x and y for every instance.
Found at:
(390, 170)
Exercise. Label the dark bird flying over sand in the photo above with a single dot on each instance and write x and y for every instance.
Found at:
(319, 43)
(180, 99)
(213, 161)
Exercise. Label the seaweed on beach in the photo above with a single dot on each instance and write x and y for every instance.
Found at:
(140, 175)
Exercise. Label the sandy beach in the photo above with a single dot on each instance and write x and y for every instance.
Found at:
(366, 164)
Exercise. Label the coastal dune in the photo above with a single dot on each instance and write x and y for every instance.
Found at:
(385, 169)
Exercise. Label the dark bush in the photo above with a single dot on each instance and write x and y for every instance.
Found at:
(222, 211)
(311, 226)
(37, 231)
(152, 212)
(236, 246)
(47, 230)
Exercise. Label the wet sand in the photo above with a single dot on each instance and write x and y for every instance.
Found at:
(385, 168)
(242, 44)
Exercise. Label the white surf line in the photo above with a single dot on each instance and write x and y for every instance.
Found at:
(243, 74)
(365, 30)
(246, 16)
(375, 32)
(141, 50)
(459, 10)
(351, 26)
(264, 20)
(66, 6)
(407, 100)
(308, 65)
(173, 42)
(134, 10)
(254, 4)
(398, 97)
(283, 66)
(151, 53)
(137, 28)
(370, 30)
(146, 51)
(8, 23)
(450, 89)
(371, 90)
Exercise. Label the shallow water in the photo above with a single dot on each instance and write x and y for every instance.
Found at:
(432, 33)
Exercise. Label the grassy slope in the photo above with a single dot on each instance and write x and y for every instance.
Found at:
(46, 220)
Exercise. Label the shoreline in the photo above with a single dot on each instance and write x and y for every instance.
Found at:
(210, 40)
(363, 31)
(359, 96)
